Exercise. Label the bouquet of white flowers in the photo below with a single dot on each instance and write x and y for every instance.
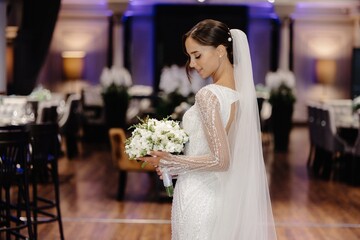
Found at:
(156, 135)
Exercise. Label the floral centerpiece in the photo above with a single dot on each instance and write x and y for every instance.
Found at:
(115, 82)
(156, 135)
(282, 87)
(282, 97)
(40, 94)
(115, 79)
(176, 89)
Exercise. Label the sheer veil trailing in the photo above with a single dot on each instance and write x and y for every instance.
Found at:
(244, 203)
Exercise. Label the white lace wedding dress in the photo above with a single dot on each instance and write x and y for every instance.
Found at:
(222, 190)
(206, 154)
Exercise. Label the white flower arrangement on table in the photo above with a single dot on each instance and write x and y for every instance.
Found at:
(175, 89)
(40, 94)
(115, 82)
(281, 85)
(156, 135)
(174, 79)
(115, 79)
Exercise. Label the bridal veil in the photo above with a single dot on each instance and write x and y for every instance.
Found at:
(244, 206)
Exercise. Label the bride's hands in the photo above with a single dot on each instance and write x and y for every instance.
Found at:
(158, 171)
(154, 159)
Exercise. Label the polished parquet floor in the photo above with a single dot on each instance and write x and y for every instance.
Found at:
(304, 208)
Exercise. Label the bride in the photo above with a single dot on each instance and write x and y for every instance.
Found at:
(221, 190)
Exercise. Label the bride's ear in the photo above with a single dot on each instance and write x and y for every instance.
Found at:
(221, 50)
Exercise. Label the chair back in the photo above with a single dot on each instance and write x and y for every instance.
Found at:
(15, 155)
(311, 111)
(71, 119)
(49, 114)
(331, 141)
(45, 139)
(314, 124)
(356, 147)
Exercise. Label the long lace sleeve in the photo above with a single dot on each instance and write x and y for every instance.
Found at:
(219, 156)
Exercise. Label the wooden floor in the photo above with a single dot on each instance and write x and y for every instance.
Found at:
(304, 208)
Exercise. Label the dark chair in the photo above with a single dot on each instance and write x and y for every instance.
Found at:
(265, 109)
(333, 146)
(353, 167)
(92, 115)
(315, 137)
(69, 124)
(45, 139)
(15, 157)
(311, 125)
(49, 114)
(260, 101)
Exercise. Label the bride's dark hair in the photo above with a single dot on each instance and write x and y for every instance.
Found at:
(210, 32)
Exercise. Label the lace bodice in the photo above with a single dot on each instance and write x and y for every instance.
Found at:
(205, 121)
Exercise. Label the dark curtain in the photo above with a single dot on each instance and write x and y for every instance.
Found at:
(291, 50)
(355, 73)
(32, 43)
(275, 43)
(109, 60)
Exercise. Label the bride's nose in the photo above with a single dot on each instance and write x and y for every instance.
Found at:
(192, 63)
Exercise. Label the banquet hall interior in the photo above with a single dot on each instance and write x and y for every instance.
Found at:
(76, 75)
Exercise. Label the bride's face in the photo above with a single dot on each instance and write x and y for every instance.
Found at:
(204, 59)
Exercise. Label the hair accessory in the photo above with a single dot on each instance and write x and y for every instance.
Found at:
(229, 39)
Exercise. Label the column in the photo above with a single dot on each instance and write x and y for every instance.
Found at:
(284, 47)
(118, 8)
(357, 32)
(118, 43)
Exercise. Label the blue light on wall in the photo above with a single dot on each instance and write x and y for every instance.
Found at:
(153, 34)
